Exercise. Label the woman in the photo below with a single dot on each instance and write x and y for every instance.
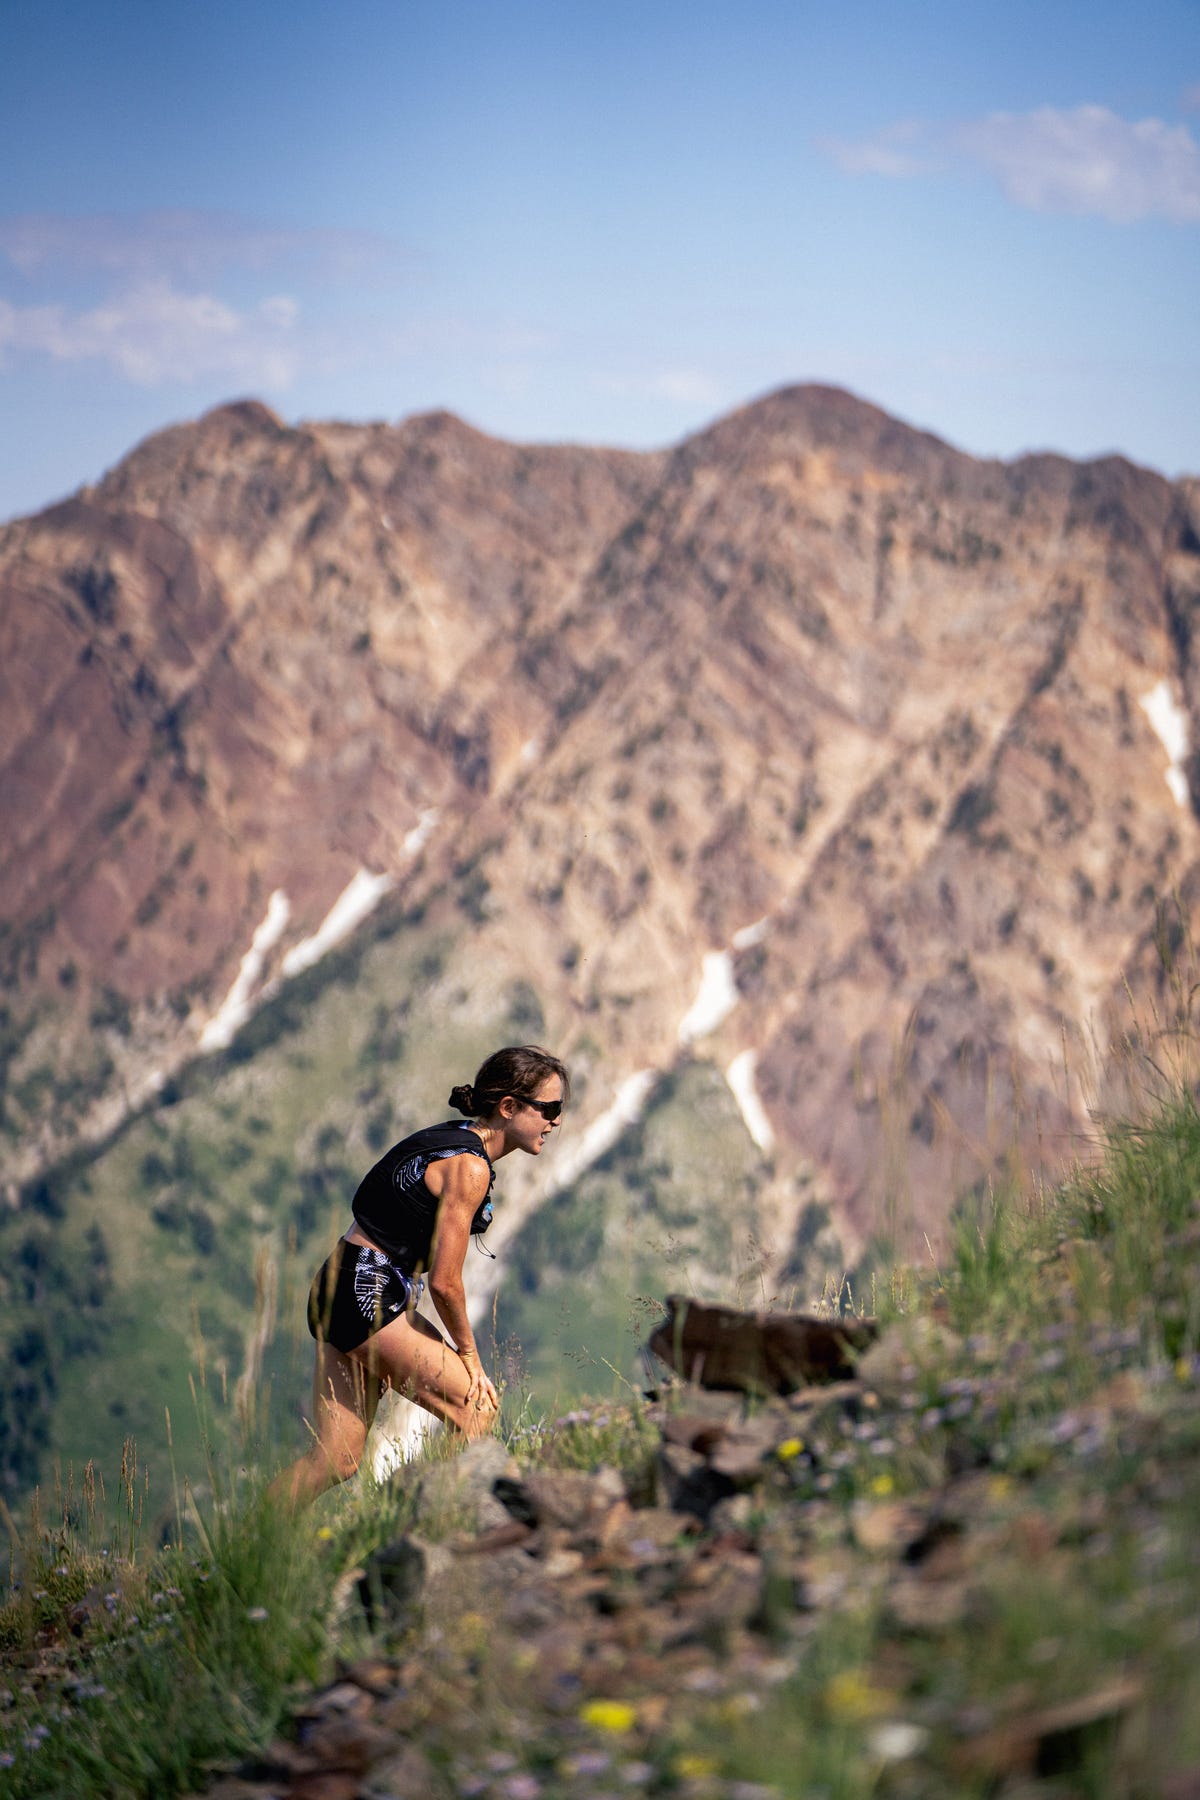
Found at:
(415, 1213)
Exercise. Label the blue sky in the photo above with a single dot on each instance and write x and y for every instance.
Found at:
(604, 223)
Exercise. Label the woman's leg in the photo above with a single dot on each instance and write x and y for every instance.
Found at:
(409, 1355)
(345, 1399)
(413, 1357)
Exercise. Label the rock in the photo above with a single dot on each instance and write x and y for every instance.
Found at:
(741, 1450)
(903, 1352)
(570, 1498)
(757, 1353)
(648, 1534)
(376, 1677)
(887, 1526)
(732, 1516)
(406, 1772)
(687, 1482)
(717, 1595)
(513, 1535)
(396, 1579)
(458, 1494)
(345, 1743)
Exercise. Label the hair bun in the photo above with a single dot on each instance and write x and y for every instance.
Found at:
(462, 1098)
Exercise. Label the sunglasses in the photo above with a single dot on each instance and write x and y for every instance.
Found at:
(549, 1109)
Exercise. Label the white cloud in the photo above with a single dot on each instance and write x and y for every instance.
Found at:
(182, 243)
(156, 333)
(1090, 161)
(1085, 160)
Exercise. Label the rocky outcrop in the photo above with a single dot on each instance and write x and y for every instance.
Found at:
(757, 1353)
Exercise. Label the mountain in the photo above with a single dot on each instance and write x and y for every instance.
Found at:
(813, 787)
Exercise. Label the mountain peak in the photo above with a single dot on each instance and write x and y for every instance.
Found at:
(815, 668)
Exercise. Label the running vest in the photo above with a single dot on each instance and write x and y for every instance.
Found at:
(394, 1207)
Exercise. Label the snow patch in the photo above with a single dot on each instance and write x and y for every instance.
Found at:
(236, 1007)
(1170, 725)
(715, 999)
(350, 908)
(422, 831)
(626, 1109)
(749, 935)
(740, 1076)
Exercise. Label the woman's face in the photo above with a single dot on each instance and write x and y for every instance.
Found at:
(528, 1129)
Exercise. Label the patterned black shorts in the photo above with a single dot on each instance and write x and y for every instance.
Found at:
(356, 1291)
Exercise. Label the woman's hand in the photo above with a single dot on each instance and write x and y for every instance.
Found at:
(482, 1393)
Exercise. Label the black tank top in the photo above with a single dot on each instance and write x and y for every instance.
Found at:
(394, 1207)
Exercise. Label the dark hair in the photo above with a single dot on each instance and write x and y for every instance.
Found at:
(518, 1069)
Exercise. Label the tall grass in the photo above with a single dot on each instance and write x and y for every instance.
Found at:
(141, 1665)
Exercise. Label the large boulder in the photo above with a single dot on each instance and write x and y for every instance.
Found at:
(755, 1352)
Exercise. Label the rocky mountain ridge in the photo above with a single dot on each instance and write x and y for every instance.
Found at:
(813, 709)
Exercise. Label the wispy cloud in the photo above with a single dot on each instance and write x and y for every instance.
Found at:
(183, 244)
(176, 297)
(898, 151)
(1085, 160)
(156, 334)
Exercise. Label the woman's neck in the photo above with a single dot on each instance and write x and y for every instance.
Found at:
(493, 1140)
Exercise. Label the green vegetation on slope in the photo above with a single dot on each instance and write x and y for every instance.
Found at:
(181, 1254)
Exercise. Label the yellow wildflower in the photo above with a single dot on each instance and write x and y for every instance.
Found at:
(324, 1534)
(851, 1697)
(882, 1486)
(789, 1448)
(691, 1767)
(609, 1715)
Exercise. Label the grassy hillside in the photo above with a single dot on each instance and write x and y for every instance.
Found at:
(971, 1571)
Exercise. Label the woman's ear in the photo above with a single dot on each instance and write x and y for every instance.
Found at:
(508, 1106)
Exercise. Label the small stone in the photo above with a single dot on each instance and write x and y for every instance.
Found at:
(887, 1525)
(375, 1677)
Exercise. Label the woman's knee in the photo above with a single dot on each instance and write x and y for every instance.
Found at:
(479, 1424)
(342, 1465)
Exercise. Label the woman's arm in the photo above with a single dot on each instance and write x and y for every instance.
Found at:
(460, 1184)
